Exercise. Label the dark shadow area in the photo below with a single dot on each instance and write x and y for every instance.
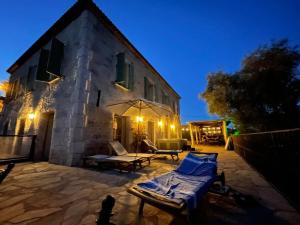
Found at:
(276, 156)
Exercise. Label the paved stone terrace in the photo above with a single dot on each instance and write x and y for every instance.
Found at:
(42, 193)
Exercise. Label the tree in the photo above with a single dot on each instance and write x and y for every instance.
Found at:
(4, 86)
(264, 94)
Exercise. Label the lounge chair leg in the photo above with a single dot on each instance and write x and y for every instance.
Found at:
(134, 166)
(141, 208)
(172, 157)
(222, 179)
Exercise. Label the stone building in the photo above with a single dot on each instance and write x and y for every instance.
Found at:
(61, 86)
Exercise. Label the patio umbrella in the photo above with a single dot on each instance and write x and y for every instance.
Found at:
(139, 107)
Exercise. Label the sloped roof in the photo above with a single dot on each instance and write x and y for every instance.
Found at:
(70, 16)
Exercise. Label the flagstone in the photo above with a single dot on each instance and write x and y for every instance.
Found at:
(75, 212)
(14, 200)
(82, 194)
(11, 212)
(39, 182)
(88, 220)
(34, 214)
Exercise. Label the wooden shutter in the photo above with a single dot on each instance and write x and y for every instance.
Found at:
(121, 68)
(98, 98)
(30, 78)
(42, 75)
(131, 76)
(156, 93)
(16, 88)
(146, 84)
(23, 81)
(55, 57)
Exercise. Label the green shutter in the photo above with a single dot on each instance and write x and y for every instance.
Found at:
(30, 78)
(55, 57)
(131, 76)
(23, 81)
(121, 68)
(156, 93)
(146, 88)
(42, 75)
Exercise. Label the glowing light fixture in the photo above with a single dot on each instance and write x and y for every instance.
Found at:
(139, 119)
(31, 116)
(172, 126)
(160, 123)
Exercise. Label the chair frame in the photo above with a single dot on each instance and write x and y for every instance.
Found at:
(166, 204)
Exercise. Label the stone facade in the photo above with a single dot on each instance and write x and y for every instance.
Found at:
(82, 124)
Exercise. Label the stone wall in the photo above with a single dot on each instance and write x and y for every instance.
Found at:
(58, 97)
(103, 48)
(89, 65)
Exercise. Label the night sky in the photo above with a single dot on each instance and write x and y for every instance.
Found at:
(183, 39)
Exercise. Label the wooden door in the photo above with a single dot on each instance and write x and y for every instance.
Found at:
(150, 131)
(44, 136)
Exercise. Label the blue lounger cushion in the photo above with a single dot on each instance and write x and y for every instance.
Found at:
(183, 184)
(198, 165)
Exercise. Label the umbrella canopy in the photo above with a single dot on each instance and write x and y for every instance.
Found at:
(140, 106)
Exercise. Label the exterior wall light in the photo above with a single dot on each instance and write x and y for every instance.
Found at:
(172, 127)
(139, 119)
(31, 116)
(160, 123)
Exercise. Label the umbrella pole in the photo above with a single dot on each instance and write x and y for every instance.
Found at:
(139, 135)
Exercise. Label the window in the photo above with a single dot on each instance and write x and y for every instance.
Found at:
(55, 58)
(165, 98)
(15, 87)
(49, 66)
(42, 75)
(148, 89)
(125, 72)
(30, 78)
(156, 94)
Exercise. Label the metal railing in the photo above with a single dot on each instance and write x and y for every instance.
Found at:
(276, 155)
(16, 148)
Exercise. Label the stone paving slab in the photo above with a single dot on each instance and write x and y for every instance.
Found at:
(43, 193)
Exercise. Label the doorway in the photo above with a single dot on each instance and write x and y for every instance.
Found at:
(44, 136)
(21, 127)
(151, 131)
(122, 130)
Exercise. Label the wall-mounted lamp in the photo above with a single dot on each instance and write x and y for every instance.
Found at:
(172, 127)
(139, 119)
(31, 116)
(160, 123)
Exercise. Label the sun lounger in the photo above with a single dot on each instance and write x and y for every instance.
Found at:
(119, 150)
(122, 162)
(152, 148)
(181, 189)
(6, 171)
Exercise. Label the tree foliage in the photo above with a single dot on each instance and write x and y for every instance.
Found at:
(264, 94)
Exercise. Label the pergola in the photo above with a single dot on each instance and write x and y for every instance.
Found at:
(196, 129)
